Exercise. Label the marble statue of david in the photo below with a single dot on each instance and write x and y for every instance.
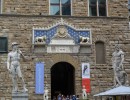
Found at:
(13, 66)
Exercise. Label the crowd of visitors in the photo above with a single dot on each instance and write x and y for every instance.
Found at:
(68, 97)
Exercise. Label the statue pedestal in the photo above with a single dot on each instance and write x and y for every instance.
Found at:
(19, 96)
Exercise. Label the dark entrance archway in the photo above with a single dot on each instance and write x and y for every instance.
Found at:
(62, 79)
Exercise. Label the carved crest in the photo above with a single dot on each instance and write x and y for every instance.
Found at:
(62, 31)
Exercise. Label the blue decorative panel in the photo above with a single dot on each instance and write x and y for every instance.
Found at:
(39, 78)
(74, 33)
(48, 33)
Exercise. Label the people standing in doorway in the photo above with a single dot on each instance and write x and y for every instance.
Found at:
(77, 97)
(67, 97)
(59, 97)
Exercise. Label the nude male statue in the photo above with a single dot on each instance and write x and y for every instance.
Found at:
(13, 65)
(120, 76)
(118, 58)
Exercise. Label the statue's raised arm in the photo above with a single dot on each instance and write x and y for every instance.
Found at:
(8, 62)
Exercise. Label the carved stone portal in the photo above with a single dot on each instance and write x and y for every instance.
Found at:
(61, 37)
(62, 42)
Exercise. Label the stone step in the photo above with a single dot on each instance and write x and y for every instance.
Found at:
(19, 96)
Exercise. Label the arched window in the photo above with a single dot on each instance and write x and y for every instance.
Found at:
(100, 52)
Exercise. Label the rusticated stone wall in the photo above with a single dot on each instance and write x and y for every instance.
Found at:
(79, 7)
(107, 29)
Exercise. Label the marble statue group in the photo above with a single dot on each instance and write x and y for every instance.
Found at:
(120, 76)
(13, 66)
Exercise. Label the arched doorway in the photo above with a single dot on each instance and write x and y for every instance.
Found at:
(62, 79)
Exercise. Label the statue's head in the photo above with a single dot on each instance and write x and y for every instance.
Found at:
(14, 45)
(117, 47)
(83, 86)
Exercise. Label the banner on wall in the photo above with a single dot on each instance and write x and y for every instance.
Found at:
(86, 76)
(39, 78)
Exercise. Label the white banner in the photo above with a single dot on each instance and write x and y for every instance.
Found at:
(85, 70)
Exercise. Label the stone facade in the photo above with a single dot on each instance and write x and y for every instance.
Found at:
(18, 21)
(79, 7)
